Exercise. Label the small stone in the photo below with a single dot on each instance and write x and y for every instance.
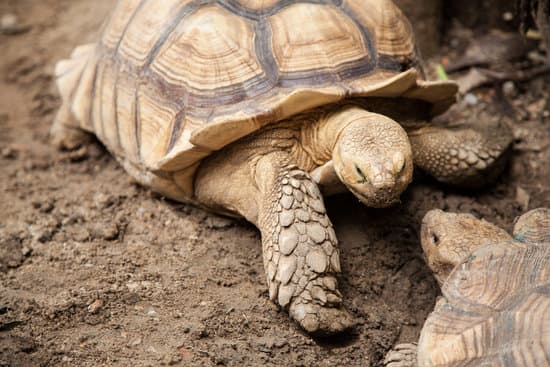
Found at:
(509, 89)
(287, 201)
(316, 232)
(470, 99)
(135, 342)
(287, 267)
(317, 261)
(151, 313)
(107, 231)
(286, 218)
(9, 24)
(8, 153)
(285, 294)
(288, 240)
(95, 306)
(103, 201)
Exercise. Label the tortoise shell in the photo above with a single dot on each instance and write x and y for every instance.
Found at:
(171, 81)
(495, 310)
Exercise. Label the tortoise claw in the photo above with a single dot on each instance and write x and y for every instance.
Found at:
(402, 355)
(321, 320)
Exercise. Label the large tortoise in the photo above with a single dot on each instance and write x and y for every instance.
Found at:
(495, 309)
(244, 107)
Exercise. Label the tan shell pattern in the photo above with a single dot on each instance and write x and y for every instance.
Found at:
(170, 81)
(495, 310)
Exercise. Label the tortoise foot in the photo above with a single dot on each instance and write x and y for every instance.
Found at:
(321, 320)
(402, 355)
(63, 137)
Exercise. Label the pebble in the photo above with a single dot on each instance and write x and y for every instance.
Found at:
(107, 231)
(509, 89)
(8, 153)
(9, 24)
(95, 306)
(151, 313)
(470, 99)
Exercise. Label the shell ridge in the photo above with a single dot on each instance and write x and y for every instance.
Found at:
(169, 28)
(127, 25)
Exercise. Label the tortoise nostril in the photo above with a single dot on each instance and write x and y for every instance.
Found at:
(435, 239)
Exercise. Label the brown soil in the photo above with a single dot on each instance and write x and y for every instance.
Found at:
(98, 271)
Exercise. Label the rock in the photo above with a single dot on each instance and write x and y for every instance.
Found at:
(95, 306)
(106, 231)
(509, 89)
(9, 24)
(8, 153)
(470, 99)
(152, 313)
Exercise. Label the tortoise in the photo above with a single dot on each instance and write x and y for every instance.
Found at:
(495, 308)
(248, 107)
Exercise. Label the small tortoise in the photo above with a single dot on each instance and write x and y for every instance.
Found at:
(495, 309)
(244, 107)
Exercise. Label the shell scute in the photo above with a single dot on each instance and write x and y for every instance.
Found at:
(205, 73)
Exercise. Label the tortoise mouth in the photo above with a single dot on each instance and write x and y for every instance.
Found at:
(378, 200)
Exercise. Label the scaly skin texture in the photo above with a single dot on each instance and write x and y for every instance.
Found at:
(265, 178)
(448, 239)
(467, 156)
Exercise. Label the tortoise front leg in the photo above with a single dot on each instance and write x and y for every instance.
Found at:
(300, 250)
(469, 156)
(301, 256)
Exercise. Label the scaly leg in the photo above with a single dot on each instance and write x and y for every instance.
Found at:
(468, 156)
(300, 251)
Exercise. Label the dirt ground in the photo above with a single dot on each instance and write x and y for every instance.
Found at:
(98, 271)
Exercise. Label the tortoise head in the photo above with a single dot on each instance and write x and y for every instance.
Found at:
(449, 238)
(372, 157)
